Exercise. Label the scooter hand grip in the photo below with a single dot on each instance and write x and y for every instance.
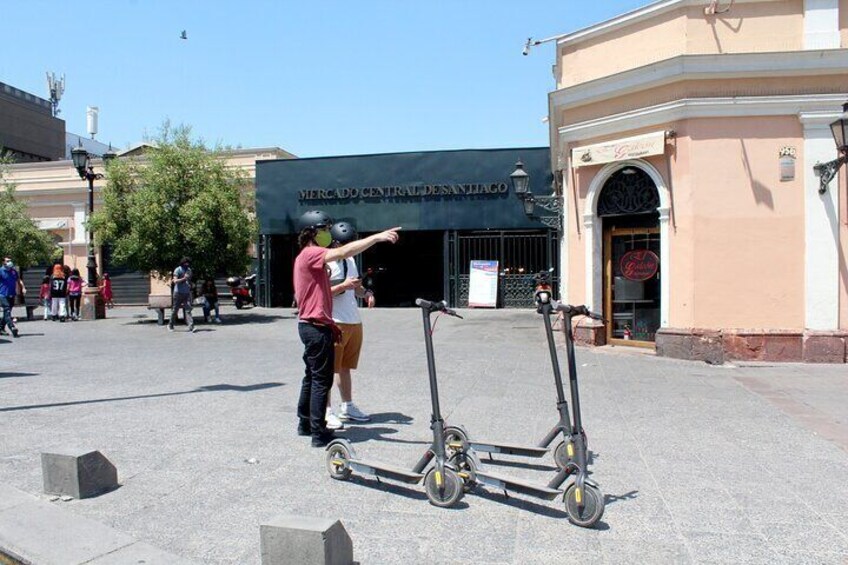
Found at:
(420, 302)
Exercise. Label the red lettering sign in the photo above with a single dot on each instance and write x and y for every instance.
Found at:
(639, 264)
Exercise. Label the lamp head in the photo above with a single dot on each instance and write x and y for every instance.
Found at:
(520, 180)
(79, 156)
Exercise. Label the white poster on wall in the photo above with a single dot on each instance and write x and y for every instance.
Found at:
(483, 284)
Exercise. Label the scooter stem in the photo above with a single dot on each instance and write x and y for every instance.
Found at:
(546, 310)
(431, 366)
(572, 373)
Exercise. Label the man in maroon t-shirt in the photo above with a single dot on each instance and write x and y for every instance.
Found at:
(315, 324)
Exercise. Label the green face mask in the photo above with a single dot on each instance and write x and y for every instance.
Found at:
(323, 238)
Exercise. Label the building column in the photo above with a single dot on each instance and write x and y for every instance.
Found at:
(821, 24)
(821, 227)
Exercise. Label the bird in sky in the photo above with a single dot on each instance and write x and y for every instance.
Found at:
(183, 35)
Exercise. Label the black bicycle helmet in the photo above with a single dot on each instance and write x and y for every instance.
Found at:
(314, 219)
(343, 232)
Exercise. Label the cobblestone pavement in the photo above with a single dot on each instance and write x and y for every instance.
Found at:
(728, 464)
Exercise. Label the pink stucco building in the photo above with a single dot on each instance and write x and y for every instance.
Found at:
(684, 136)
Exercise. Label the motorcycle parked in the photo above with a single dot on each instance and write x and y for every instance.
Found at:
(243, 290)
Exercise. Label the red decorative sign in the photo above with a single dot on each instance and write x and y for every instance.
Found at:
(639, 264)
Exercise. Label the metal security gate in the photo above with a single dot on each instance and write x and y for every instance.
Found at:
(520, 255)
(128, 287)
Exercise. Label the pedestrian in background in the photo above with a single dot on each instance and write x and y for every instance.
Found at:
(210, 295)
(8, 291)
(181, 281)
(58, 293)
(44, 296)
(74, 294)
(346, 287)
(315, 325)
(105, 289)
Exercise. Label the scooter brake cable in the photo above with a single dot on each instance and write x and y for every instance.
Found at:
(436, 321)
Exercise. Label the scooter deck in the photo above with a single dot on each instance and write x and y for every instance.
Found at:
(481, 446)
(516, 485)
(386, 471)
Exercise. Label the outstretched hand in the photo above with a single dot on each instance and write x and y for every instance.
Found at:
(389, 236)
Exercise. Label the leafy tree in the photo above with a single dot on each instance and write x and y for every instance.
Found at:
(20, 236)
(178, 199)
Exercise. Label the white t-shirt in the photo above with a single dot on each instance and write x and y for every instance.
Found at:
(345, 309)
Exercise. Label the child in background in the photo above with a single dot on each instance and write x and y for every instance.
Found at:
(44, 296)
(74, 293)
(58, 293)
(106, 290)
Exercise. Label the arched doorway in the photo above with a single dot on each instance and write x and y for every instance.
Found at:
(628, 209)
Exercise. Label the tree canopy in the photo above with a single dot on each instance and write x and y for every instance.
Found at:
(20, 237)
(178, 199)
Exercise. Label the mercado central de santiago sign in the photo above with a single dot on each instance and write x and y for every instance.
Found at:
(423, 191)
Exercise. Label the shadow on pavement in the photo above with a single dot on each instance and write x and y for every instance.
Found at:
(356, 434)
(521, 503)
(14, 374)
(389, 418)
(210, 388)
(398, 489)
(613, 498)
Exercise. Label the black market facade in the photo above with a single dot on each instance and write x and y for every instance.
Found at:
(453, 206)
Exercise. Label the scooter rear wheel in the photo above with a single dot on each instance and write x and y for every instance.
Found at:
(448, 493)
(338, 457)
(593, 505)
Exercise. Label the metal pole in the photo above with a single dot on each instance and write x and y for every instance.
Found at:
(92, 260)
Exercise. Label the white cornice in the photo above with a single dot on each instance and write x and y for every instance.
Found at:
(739, 106)
(635, 16)
(703, 67)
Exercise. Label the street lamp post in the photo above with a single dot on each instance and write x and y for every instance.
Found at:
(826, 171)
(92, 306)
(521, 185)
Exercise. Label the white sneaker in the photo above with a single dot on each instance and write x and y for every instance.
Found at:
(333, 422)
(349, 411)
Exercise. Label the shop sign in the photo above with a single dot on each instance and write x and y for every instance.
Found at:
(619, 150)
(423, 191)
(639, 264)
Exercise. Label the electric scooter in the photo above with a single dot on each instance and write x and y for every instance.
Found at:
(584, 501)
(442, 482)
(458, 434)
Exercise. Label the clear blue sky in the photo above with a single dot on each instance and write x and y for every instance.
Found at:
(313, 77)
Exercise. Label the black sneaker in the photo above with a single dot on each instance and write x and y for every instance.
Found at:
(322, 439)
(14, 332)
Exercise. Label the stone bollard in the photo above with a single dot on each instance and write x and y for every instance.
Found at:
(304, 540)
(77, 474)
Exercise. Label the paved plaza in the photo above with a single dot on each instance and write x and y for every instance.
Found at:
(699, 463)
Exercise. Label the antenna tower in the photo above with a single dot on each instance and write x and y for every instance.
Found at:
(56, 87)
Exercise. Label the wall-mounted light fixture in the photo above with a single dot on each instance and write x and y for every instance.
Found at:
(521, 185)
(826, 171)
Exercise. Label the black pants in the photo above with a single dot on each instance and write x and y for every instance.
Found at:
(318, 356)
(74, 302)
(6, 303)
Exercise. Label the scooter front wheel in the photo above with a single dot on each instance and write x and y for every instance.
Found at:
(338, 462)
(239, 304)
(466, 469)
(443, 490)
(590, 511)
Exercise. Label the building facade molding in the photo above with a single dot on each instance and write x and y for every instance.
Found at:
(739, 106)
(702, 67)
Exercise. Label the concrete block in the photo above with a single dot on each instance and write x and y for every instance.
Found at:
(305, 540)
(824, 347)
(78, 474)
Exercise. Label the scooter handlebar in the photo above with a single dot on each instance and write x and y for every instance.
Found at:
(440, 306)
(581, 310)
